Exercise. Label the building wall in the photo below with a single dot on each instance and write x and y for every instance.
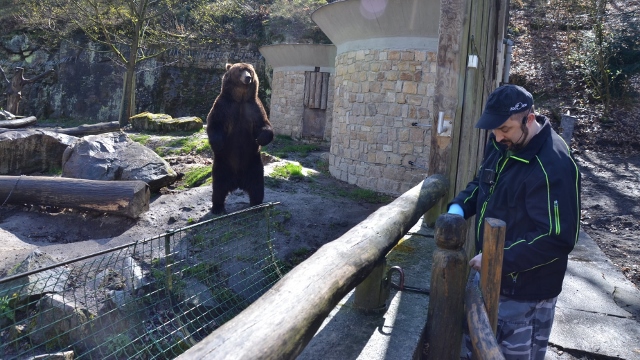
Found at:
(287, 103)
(379, 94)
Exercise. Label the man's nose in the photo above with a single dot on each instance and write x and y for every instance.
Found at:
(499, 137)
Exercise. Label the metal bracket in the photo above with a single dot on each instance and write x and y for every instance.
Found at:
(401, 286)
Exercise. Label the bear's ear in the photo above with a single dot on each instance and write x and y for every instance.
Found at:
(229, 66)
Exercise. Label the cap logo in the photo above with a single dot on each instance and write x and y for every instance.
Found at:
(519, 106)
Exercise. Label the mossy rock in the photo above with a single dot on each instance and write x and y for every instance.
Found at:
(147, 121)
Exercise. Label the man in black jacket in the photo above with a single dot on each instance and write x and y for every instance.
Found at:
(529, 180)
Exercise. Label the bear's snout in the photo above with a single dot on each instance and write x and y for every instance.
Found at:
(246, 77)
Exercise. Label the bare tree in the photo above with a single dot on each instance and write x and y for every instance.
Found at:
(132, 30)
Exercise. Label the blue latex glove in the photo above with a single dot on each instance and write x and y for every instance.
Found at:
(456, 209)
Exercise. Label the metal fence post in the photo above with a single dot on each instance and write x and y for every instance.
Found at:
(167, 253)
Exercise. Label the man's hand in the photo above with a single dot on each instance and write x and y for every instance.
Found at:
(476, 262)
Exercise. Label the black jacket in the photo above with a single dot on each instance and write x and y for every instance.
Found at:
(536, 192)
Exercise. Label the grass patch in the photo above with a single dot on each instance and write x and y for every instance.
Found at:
(141, 139)
(290, 171)
(299, 255)
(186, 145)
(197, 176)
(365, 195)
(284, 146)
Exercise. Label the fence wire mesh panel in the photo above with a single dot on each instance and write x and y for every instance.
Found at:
(151, 299)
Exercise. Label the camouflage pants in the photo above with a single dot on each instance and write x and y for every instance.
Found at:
(523, 328)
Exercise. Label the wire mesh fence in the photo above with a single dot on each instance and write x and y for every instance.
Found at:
(151, 299)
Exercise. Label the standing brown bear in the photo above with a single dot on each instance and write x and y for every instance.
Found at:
(237, 126)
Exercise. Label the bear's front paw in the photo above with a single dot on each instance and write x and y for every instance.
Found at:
(265, 137)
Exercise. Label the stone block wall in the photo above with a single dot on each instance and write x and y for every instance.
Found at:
(287, 103)
(378, 95)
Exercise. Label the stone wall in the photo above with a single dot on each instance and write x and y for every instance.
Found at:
(287, 103)
(378, 95)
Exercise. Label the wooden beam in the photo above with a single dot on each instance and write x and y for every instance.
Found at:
(282, 321)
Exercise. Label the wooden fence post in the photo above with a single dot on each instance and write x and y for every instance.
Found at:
(491, 267)
(372, 293)
(443, 334)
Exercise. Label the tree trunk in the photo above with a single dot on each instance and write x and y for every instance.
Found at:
(14, 94)
(129, 93)
(127, 198)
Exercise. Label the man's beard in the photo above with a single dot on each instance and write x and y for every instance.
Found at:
(518, 145)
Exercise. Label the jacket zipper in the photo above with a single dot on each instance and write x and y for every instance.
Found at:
(556, 212)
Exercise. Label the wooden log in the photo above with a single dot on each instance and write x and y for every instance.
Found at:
(18, 123)
(482, 336)
(91, 129)
(491, 267)
(282, 321)
(127, 198)
(443, 333)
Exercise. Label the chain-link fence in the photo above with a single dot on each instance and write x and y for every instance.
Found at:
(151, 299)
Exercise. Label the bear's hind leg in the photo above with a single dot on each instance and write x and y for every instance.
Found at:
(221, 188)
(253, 184)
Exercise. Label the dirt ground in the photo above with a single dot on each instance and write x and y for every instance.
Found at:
(311, 212)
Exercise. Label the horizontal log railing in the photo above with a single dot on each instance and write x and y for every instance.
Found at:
(282, 322)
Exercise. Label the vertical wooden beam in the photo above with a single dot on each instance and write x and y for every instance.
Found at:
(307, 86)
(453, 21)
(325, 90)
(318, 91)
(491, 267)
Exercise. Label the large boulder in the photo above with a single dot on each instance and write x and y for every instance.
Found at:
(38, 283)
(25, 152)
(113, 156)
(147, 121)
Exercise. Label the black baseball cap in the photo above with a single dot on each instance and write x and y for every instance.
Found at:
(502, 103)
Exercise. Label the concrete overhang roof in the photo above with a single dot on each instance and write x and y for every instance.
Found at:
(300, 56)
(356, 24)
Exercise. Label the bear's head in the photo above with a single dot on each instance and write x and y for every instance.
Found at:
(241, 81)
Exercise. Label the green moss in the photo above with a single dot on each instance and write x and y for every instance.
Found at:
(197, 176)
